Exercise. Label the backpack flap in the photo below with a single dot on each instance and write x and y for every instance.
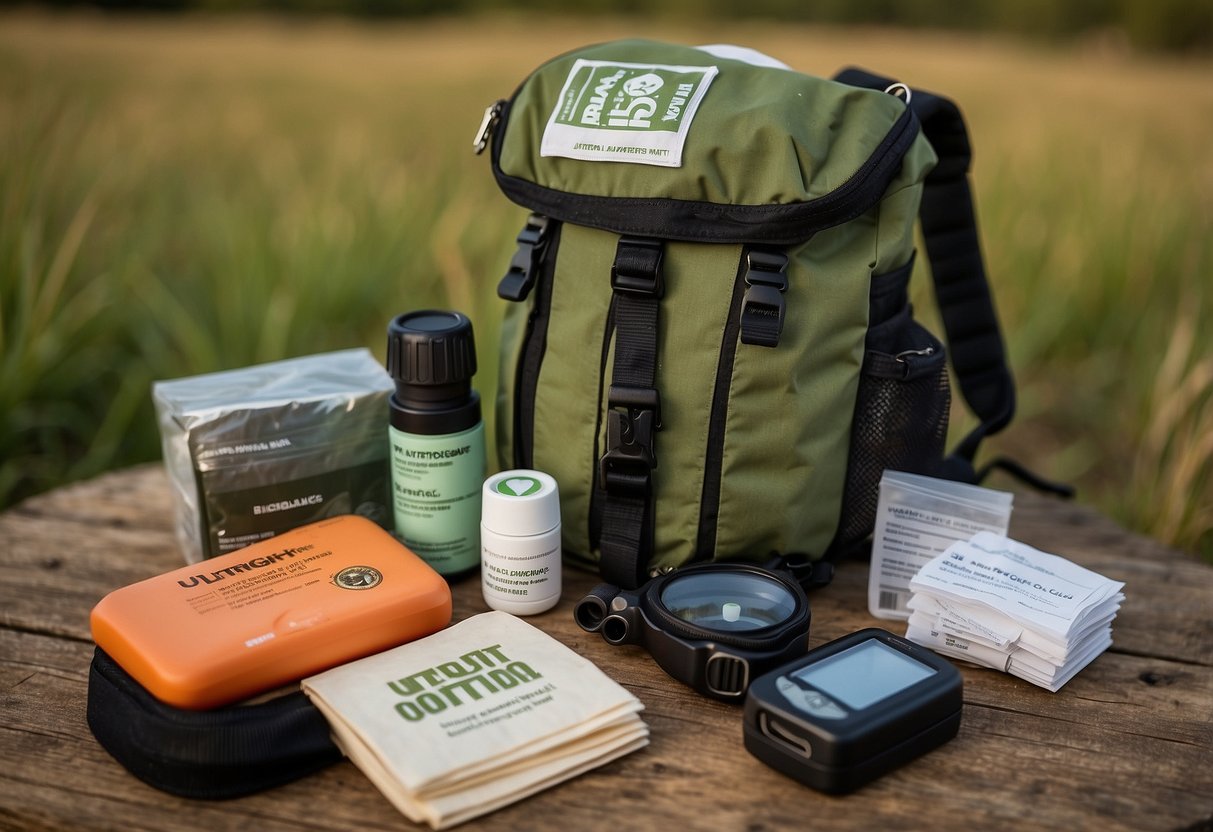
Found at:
(686, 364)
(651, 139)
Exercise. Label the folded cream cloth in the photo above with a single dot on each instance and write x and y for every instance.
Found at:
(475, 717)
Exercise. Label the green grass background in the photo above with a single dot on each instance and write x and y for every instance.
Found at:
(182, 195)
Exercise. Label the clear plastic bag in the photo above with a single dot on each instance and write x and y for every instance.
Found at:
(257, 451)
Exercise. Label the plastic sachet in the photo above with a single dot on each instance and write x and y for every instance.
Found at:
(918, 517)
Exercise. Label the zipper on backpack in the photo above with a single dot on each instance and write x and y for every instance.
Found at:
(534, 347)
(595, 515)
(709, 505)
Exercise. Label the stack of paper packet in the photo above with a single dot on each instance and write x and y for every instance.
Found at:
(475, 717)
(998, 603)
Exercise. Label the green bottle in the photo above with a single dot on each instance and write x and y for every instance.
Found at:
(437, 439)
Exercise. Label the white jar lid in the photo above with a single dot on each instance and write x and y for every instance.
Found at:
(520, 503)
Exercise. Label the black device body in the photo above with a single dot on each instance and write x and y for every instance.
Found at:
(812, 720)
(714, 627)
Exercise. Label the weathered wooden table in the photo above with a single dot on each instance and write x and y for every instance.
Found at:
(1127, 744)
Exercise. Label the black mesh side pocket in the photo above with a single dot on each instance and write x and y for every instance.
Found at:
(900, 422)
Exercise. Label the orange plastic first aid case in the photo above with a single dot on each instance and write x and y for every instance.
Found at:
(233, 626)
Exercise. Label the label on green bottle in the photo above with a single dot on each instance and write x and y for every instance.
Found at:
(436, 483)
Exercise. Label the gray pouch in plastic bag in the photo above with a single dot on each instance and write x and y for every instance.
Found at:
(255, 452)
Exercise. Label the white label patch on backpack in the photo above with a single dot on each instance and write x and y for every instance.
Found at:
(619, 112)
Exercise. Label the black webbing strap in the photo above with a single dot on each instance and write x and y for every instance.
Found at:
(223, 753)
(949, 227)
(633, 415)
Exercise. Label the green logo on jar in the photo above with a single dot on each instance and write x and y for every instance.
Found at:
(518, 486)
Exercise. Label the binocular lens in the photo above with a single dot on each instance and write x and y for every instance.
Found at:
(728, 601)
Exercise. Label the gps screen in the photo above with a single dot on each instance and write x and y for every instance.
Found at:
(864, 674)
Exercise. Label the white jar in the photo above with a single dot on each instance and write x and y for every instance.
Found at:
(520, 542)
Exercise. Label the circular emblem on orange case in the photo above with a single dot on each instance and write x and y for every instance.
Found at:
(358, 577)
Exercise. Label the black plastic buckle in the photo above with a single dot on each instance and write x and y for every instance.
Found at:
(632, 420)
(637, 267)
(532, 242)
(762, 308)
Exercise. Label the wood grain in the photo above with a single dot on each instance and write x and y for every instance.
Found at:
(1128, 744)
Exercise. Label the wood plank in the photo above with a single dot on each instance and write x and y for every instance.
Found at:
(63, 551)
(1128, 744)
(1069, 756)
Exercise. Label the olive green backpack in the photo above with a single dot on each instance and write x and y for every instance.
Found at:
(709, 344)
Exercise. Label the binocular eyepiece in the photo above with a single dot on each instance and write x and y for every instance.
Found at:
(608, 611)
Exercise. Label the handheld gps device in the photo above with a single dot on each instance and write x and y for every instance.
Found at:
(852, 709)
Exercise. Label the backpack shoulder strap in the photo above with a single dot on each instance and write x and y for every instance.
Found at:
(949, 227)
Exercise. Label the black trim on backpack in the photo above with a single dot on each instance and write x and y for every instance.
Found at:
(216, 754)
(597, 495)
(706, 222)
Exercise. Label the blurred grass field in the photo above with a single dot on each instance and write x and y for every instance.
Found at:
(182, 195)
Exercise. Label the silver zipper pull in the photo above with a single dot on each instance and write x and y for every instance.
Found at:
(492, 114)
(901, 356)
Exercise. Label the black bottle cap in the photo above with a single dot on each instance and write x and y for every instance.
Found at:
(431, 355)
(431, 348)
